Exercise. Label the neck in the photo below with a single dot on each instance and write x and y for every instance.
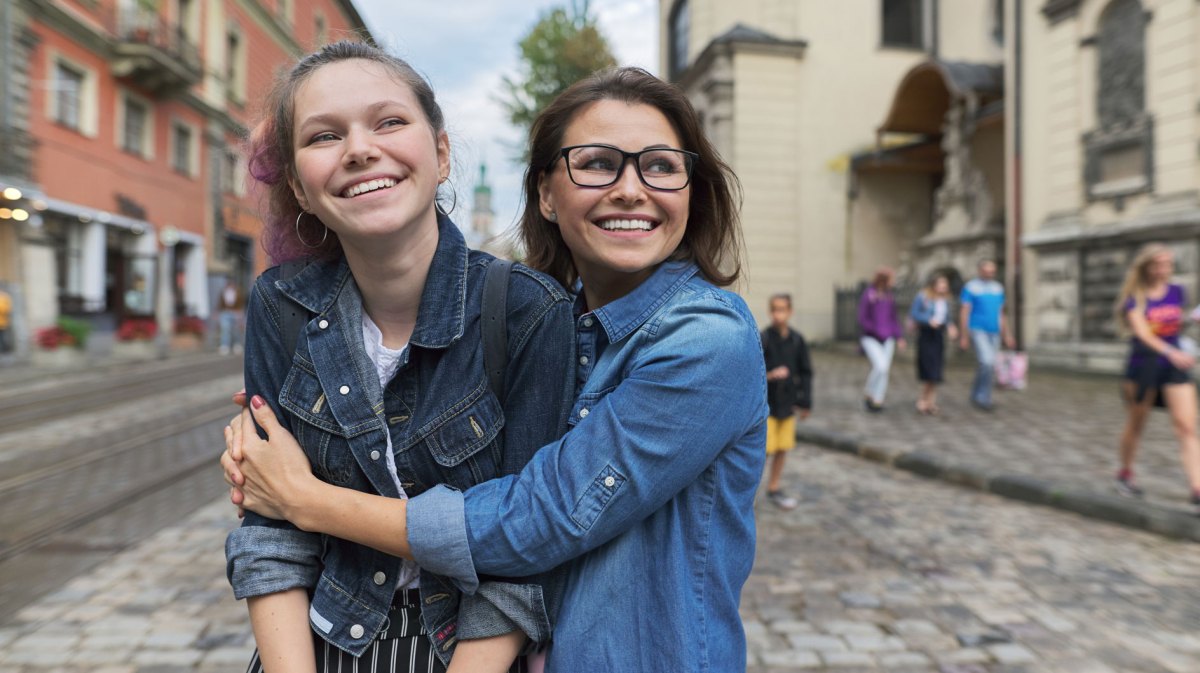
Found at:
(391, 278)
(782, 329)
(604, 287)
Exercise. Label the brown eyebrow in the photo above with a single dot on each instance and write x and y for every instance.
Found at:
(329, 119)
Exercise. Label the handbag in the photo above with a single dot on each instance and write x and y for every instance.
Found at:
(1011, 367)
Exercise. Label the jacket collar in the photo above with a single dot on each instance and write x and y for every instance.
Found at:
(621, 317)
(442, 315)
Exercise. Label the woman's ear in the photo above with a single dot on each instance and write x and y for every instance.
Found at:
(443, 150)
(298, 191)
(546, 200)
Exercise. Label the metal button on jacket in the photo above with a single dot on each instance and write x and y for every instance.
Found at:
(587, 322)
(583, 360)
(323, 324)
(345, 390)
(356, 631)
(374, 455)
(380, 578)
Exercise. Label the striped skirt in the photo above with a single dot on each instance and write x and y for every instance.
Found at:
(403, 647)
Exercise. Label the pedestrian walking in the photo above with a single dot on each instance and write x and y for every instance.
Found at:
(1151, 308)
(649, 499)
(6, 307)
(982, 326)
(931, 313)
(386, 391)
(230, 305)
(789, 392)
(881, 335)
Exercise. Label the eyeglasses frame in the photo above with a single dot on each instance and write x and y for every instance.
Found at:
(625, 157)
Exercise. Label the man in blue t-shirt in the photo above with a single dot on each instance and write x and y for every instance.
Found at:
(983, 324)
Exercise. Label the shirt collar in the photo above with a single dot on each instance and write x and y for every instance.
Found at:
(621, 317)
(442, 316)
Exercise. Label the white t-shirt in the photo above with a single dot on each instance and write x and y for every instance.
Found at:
(386, 361)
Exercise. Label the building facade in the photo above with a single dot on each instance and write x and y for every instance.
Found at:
(126, 121)
(863, 135)
(1109, 158)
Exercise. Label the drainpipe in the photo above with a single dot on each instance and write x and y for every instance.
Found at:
(934, 33)
(1015, 270)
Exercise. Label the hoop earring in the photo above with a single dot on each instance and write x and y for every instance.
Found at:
(301, 238)
(453, 198)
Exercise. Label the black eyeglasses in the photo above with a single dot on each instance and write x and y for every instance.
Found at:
(601, 165)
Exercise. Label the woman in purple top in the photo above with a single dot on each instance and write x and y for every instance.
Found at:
(880, 334)
(1152, 308)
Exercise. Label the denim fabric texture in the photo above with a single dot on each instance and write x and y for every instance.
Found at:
(650, 496)
(986, 344)
(446, 428)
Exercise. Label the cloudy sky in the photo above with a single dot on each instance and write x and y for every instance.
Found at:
(465, 47)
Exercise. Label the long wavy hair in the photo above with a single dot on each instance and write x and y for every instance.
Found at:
(272, 155)
(1137, 281)
(713, 238)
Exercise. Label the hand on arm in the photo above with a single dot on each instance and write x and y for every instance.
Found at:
(1141, 329)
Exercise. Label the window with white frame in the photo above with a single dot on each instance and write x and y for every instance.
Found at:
(135, 130)
(72, 97)
(231, 173)
(903, 24)
(183, 149)
(235, 66)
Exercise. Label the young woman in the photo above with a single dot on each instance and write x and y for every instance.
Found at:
(1157, 373)
(649, 497)
(386, 391)
(931, 313)
(881, 333)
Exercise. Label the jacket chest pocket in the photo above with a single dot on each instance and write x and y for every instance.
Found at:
(463, 441)
(315, 428)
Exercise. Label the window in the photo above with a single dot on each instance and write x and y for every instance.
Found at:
(231, 176)
(181, 149)
(904, 24)
(235, 67)
(678, 38)
(68, 96)
(136, 135)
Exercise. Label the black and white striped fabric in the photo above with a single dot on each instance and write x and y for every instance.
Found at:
(403, 647)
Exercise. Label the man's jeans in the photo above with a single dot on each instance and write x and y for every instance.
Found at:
(227, 321)
(986, 346)
(880, 355)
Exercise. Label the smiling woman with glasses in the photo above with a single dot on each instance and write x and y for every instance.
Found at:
(661, 168)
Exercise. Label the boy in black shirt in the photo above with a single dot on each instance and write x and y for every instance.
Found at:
(789, 391)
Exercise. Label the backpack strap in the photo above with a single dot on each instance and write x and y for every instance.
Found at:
(292, 315)
(494, 319)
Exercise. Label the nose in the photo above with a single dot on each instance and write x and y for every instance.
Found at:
(359, 148)
(628, 187)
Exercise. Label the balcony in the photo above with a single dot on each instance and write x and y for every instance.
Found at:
(152, 53)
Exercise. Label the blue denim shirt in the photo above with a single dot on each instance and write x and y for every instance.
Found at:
(649, 496)
(446, 428)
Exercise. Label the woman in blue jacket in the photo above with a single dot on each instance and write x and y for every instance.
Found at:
(931, 313)
(648, 499)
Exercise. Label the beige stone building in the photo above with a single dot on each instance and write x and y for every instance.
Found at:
(864, 132)
(1109, 160)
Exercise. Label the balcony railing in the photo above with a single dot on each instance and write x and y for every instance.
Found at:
(154, 53)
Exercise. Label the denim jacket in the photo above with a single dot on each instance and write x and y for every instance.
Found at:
(651, 492)
(446, 428)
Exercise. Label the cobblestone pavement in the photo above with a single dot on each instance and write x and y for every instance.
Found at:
(1063, 428)
(877, 570)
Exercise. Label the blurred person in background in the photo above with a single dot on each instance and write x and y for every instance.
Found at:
(789, 392)
(880, 333)
(983, 327)
(931, 314)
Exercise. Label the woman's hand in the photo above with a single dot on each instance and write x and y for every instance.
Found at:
(1180, 359)
(952, 330)
(271, 477)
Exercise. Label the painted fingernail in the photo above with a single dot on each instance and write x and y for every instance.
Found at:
(257, 402)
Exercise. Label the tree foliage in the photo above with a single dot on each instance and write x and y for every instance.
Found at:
(561, 48)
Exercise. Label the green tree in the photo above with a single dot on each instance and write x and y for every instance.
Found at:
(561, 48)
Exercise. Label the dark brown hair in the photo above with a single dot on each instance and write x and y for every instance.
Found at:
(780, 296)
(713, 238)
(273, 160)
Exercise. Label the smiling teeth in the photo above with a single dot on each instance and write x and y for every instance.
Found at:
(369, 186)
(626, 225)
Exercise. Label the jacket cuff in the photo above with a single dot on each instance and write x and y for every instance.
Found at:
(503, 607)
(437, 536)
(262, 560)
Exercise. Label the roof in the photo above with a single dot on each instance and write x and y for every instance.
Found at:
(924, 95)
(745, 34)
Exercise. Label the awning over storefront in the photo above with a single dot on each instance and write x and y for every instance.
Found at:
(926, 92)
(918, 157)
(86, 214)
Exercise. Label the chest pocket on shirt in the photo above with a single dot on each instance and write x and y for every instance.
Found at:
(457, 439)
(320, 435)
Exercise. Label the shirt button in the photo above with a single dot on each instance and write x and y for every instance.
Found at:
(356, 631)
(374, 455)
(583, 360)
(380, 578)
(587, 322)
(583, 413)
(345, 390)
(609, 481)
(323, 324)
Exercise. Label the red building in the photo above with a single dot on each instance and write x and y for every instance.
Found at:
(123, 168)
